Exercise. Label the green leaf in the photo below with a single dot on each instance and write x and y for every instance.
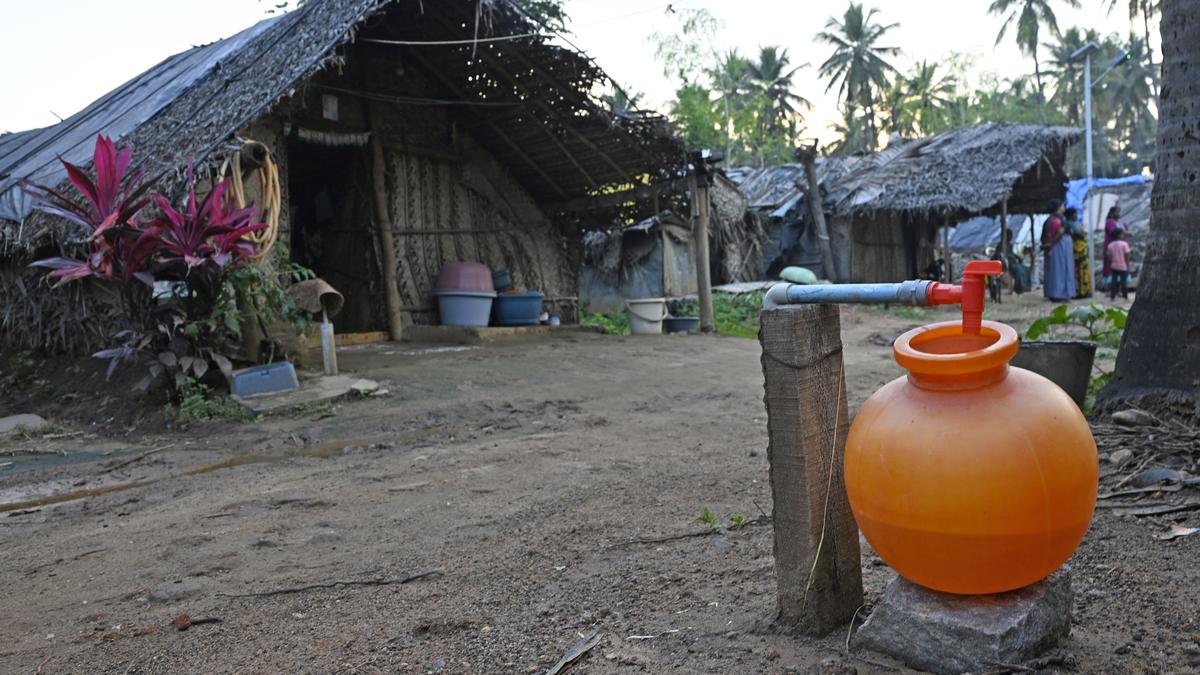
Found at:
(1117, 316)
(1038, 328)
(232, 325)
(706, 517)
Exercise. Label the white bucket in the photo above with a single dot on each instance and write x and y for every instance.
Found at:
(646, 315)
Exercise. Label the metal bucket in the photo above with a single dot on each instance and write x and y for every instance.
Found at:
(1067, 363)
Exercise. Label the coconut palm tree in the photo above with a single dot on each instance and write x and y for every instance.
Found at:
(858, 66)
(1147, 10)
(1067, 75)
(1127, 94)
(621, 103)
(1029, 16)
(1158, 365)
(930, 96)
(770, 73)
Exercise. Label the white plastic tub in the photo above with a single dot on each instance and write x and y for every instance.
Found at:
(646, 315)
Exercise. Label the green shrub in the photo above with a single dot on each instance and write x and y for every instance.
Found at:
(199, 402)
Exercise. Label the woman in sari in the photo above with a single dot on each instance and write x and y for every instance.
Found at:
(1079, 251)
(1058, 283)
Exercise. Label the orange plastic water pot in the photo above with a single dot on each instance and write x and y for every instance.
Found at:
(969, 475)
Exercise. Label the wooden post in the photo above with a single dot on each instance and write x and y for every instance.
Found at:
(700, 204)
(949, 266)
(1034, 247)
(817, 559)
(383, 235)
(816, 209)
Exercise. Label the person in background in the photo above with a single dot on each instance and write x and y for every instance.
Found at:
(1079, 253)
(1058, 283)
(1111, 224)
(1117, 254)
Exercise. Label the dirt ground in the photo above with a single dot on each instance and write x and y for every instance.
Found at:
(514, 477)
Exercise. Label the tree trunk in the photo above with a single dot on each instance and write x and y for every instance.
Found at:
(816, 209)
(1159, 361)
(1037, 75)
(1150, 53)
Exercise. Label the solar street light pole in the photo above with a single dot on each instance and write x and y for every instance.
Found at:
(1085, 52)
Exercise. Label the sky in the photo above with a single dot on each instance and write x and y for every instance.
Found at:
(60, 55)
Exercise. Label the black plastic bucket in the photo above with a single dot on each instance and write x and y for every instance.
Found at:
(1067, 363)
(681, 324)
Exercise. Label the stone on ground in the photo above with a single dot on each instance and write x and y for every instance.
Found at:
(26, 422)
(945, 633)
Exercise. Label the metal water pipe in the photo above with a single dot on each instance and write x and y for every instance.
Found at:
(919, 293)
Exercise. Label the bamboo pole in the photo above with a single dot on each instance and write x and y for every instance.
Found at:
(700, 204)
(383, 234)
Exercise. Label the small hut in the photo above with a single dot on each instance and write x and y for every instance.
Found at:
(887, 210)
(483, 137)
(884, 209)
(655, 257)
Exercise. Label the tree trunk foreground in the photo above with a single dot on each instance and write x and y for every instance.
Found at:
(1159, 361)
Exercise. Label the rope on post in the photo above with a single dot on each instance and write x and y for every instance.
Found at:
(270, 195)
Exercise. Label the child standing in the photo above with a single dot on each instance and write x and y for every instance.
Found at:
(1118, 256)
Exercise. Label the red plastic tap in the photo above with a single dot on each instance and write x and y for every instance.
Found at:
(969, 294)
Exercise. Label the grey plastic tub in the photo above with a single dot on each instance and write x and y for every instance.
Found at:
(1067, 363)
(465, 308)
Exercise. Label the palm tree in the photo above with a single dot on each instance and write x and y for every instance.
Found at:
(772, 77)
(1127, 95)
(851, 133)
(1157, 363)
(1147, 10)
(1067, 75)
(621, 103)
(930, 96)
(858, 67)
(1028, 15)
(897, 106)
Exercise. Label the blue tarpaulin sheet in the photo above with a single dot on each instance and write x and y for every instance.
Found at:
(978, 233)
(1078, 188)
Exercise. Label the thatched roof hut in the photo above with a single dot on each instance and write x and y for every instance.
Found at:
(961, 173)
(499, 147)
(884, 208)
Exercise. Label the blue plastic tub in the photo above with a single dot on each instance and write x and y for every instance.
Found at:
(518, 309)
(262, 380)
(502, 280)
(465, 308)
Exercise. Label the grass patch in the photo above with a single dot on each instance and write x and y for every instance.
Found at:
(901, 311)
(613, 324)
(735, 315)
(199, 402)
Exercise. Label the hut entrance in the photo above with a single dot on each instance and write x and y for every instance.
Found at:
(331, 229)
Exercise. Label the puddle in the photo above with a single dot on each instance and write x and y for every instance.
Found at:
(21, 462)
(326, 450)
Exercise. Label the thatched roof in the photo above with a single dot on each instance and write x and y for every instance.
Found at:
(958, 173)
(533, 104)
(961, 172)
(775, 190)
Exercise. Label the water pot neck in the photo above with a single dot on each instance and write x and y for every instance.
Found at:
(941, 356)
